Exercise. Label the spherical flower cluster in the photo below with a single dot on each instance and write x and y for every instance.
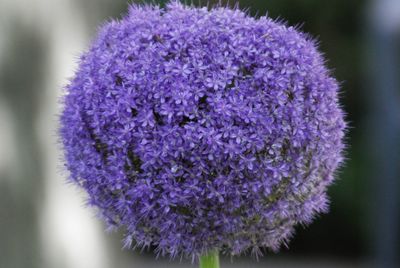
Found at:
(198, 129)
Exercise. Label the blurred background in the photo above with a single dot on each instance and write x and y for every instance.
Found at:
(43, 221)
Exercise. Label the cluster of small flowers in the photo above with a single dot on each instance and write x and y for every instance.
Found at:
(196, 129)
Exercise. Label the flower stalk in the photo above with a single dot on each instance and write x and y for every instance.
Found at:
(210, 260)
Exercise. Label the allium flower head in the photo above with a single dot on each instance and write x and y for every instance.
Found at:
(195, 129)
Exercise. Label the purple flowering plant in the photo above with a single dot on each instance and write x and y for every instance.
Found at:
(200, 130)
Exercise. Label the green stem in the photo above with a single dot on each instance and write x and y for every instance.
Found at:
(211, 260)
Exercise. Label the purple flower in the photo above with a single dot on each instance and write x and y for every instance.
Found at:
(196, 129)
